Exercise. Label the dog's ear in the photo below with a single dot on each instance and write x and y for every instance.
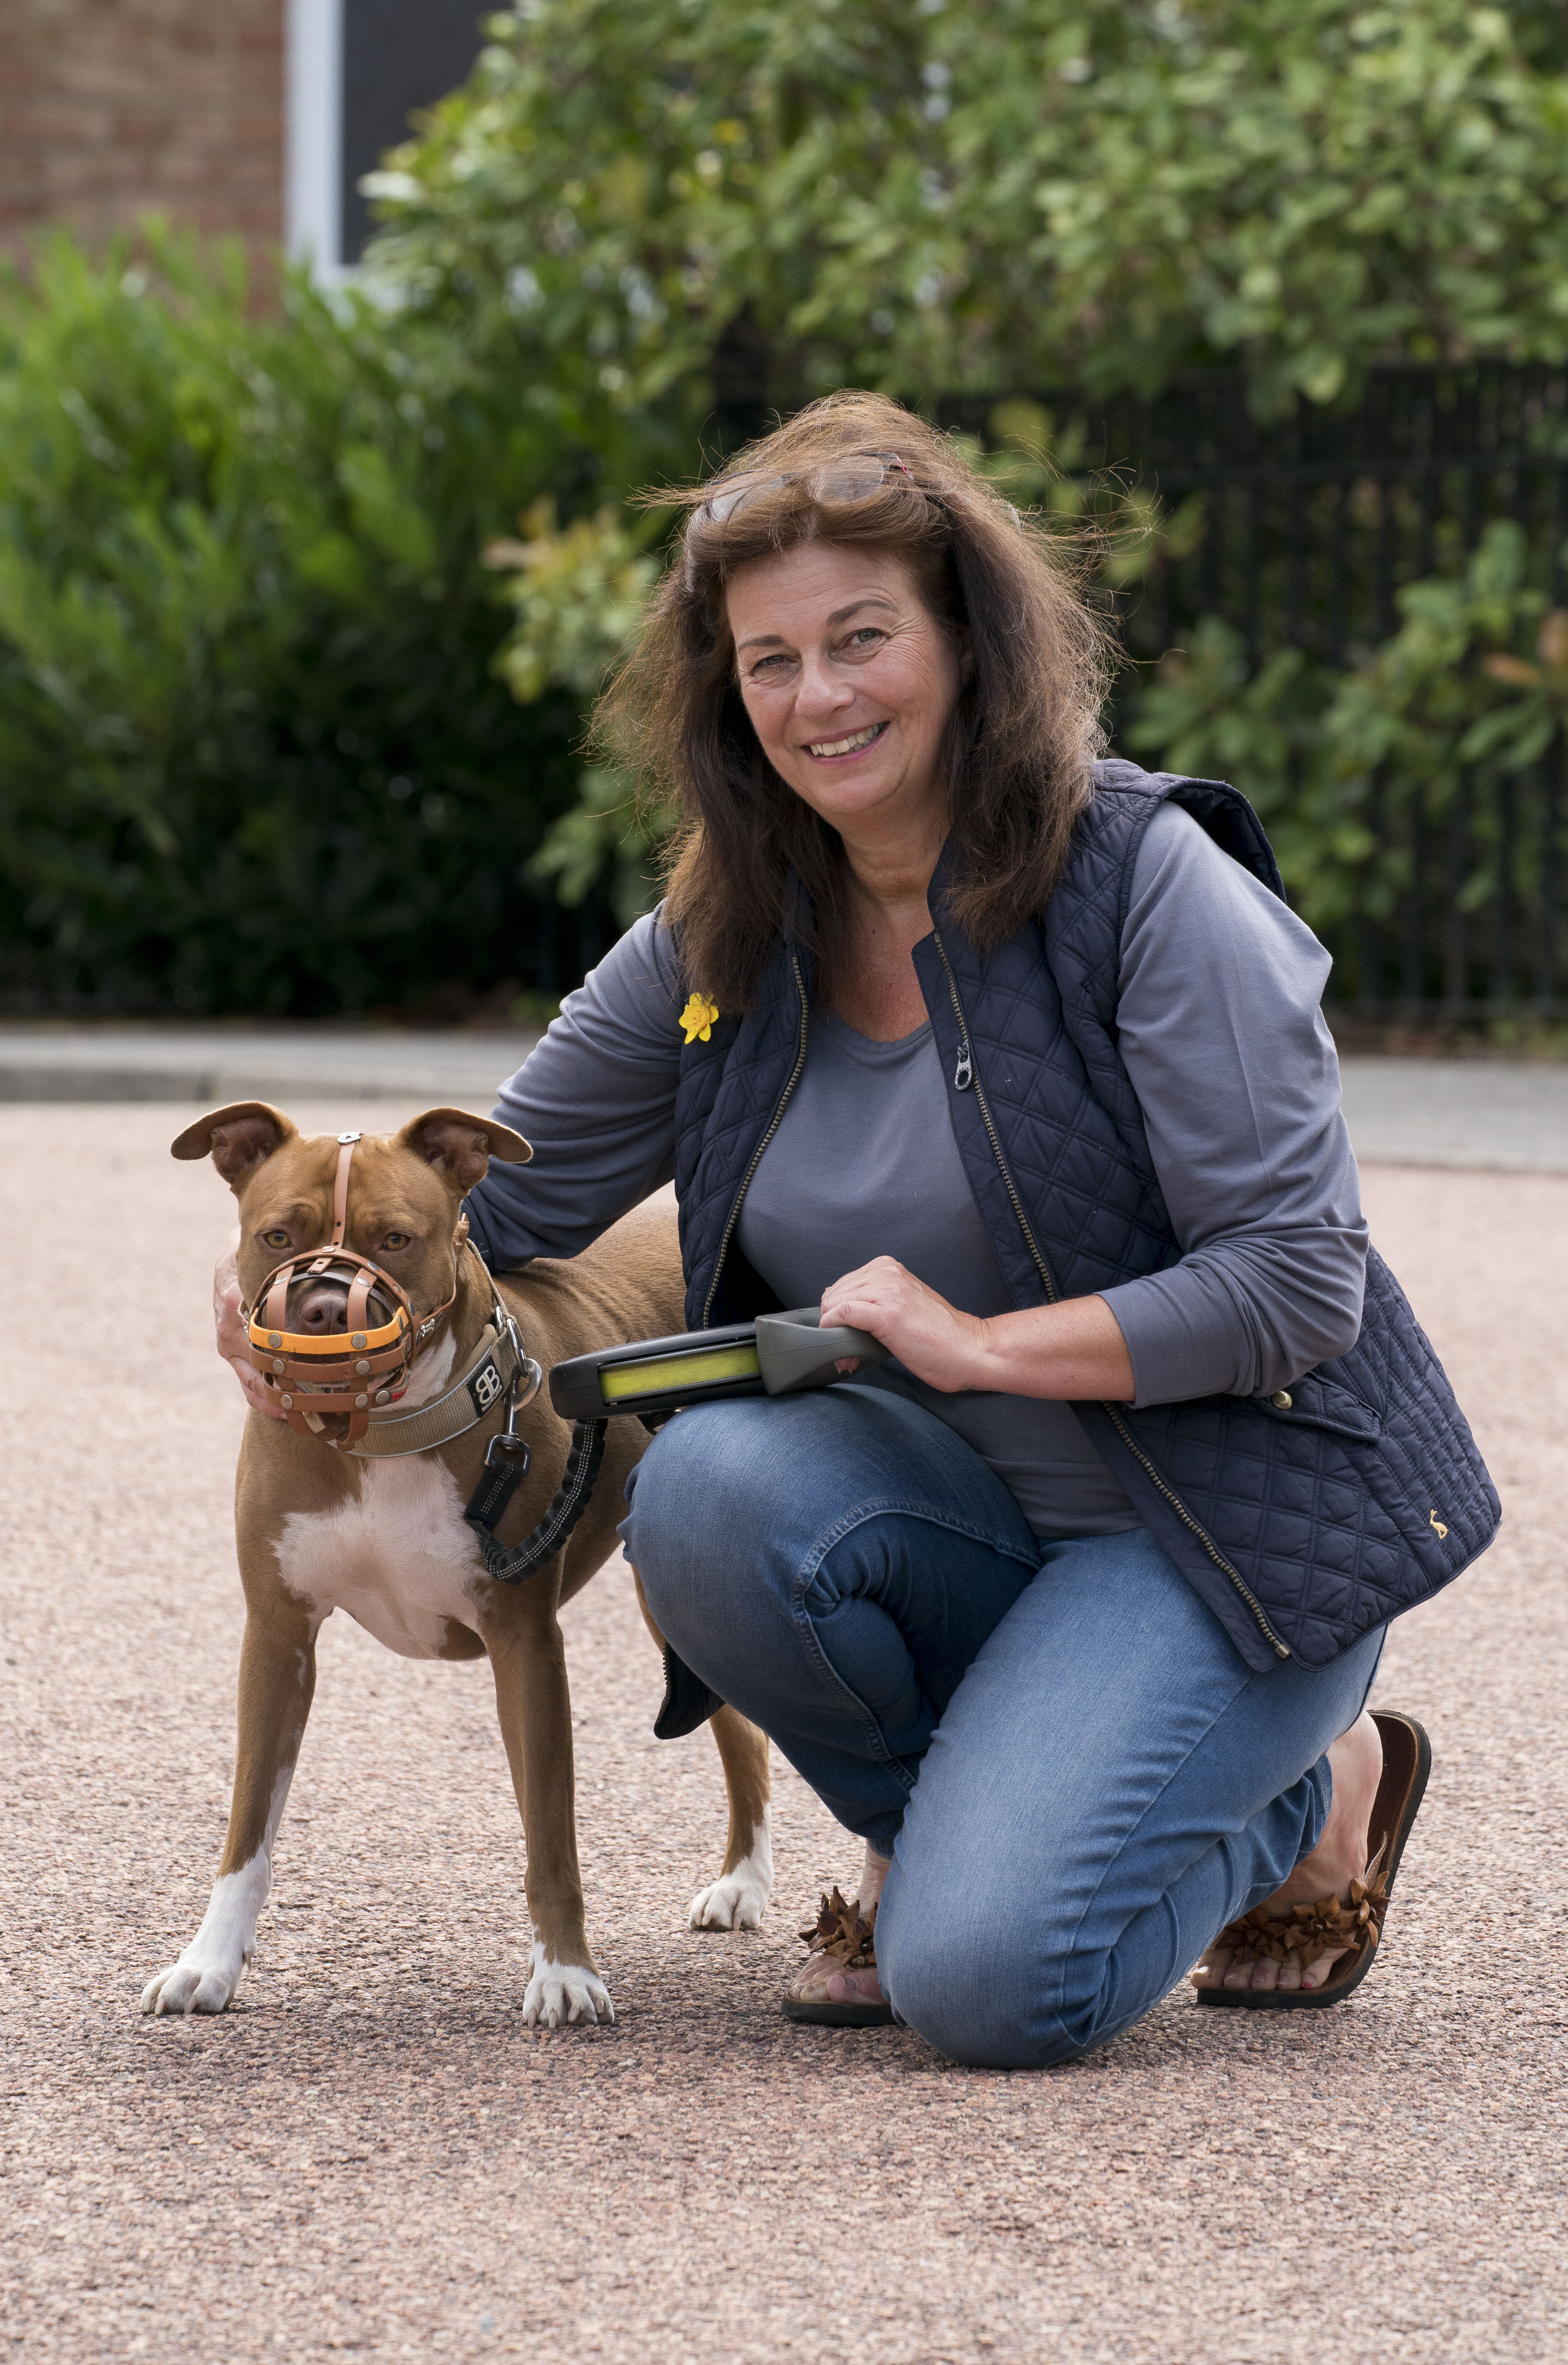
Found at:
(460, 1146)
(236, 1138)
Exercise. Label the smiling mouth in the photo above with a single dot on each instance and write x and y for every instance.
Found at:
(850, 746)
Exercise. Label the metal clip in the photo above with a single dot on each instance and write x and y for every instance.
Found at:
(506, 1447)
(527, 1380)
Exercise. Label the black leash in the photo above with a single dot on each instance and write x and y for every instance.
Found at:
(505, 1467)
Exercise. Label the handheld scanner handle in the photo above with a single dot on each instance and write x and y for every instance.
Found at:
(777, 1355)
(794, 1351)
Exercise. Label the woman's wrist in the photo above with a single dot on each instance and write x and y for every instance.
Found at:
(1071, 1353)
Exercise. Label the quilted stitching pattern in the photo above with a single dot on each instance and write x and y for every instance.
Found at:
(1332, 1528)
(1332, 1532)
(728, 1091)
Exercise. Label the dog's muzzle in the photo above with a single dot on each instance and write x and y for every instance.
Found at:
(347, 1371)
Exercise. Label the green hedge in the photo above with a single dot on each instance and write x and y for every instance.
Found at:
(934, 198)
(253, 754)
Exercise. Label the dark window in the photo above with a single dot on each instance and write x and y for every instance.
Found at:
(399, 56)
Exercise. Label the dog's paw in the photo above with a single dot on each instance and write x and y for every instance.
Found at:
(736, 1902)
(205, 1978)
(200, 1981)
(562, 1992)
(738, 1898)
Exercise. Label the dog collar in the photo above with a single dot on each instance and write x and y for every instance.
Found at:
(496, 1363)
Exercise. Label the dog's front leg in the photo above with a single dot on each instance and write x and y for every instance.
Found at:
(277, 1677)
(737, 1899)
(529, 1656)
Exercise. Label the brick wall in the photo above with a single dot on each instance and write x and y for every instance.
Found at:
(112, 107)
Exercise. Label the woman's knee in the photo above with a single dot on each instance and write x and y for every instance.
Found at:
(986, 1990)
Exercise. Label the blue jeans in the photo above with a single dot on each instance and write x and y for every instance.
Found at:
(1076, 1776)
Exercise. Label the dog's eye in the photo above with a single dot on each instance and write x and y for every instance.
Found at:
(395, 1241)
(276, 1238)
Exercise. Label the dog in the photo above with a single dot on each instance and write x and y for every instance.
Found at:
(319, 1527)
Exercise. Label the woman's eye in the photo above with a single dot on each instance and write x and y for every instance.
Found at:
(276, 1238)
(868, 638)
(769, 668)
(395, 1241)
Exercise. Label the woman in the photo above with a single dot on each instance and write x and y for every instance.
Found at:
(1014, 1060)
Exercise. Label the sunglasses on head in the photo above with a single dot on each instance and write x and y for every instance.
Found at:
(852, 479)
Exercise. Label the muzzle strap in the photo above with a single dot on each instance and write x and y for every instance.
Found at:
(359, 1298)
(276, 1316)
(347, 1144)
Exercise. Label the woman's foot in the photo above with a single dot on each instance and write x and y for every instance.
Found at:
(821, 1978)
(1340, 1857)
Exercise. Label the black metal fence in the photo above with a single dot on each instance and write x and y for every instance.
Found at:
(1310, 528)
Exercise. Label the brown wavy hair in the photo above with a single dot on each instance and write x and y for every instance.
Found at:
(1021, 742)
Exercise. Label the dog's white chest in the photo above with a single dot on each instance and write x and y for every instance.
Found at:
(400, 1560)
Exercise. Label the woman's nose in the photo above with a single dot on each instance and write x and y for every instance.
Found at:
(824, 689)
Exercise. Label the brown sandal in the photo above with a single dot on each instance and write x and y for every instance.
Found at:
(1328, 1926)
(847, 1936)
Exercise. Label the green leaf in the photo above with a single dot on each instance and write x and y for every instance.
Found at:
(384, 511)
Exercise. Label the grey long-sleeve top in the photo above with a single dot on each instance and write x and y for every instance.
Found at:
(1223, 1038)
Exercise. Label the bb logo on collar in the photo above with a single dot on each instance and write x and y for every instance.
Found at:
(485, 1386)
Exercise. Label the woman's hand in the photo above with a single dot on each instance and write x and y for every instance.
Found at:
(233, 1344)
(929, 1337)
(1073, 1353)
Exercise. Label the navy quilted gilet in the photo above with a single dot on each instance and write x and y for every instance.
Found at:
(1301, 1524)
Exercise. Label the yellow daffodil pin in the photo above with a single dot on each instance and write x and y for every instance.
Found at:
(698, 1018)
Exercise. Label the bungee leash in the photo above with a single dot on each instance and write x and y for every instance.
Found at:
(505, 1467)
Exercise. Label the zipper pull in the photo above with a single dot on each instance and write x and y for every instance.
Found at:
(964, 1073)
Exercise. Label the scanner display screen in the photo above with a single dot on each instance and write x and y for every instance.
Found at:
(665, 1374)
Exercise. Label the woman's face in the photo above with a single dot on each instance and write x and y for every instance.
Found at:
(849, 681)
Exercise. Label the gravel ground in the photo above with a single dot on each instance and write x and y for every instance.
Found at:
(370, 2153)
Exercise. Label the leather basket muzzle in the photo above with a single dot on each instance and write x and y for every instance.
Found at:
(348, 1373)
(325, 1372)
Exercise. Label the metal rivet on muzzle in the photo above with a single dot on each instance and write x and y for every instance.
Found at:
(358, 1339)
(360, 1403)
(381, 1395)
(362, 1369)
(287, 1403)
(278, 1363)
(274, 1338)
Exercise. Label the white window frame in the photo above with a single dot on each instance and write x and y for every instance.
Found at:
(313, 208)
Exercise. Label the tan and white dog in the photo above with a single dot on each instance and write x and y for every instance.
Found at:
(321, 1529)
